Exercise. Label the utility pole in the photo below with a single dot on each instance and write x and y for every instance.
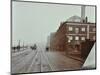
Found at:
(18, 47)
(23, 45)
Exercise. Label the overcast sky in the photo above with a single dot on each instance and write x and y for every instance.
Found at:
(33, 22)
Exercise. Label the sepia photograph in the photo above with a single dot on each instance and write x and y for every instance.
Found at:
(52, 37)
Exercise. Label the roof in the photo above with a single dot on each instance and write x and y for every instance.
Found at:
(75, 18)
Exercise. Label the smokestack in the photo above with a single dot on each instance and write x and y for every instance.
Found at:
(86, 19)
(83, 13)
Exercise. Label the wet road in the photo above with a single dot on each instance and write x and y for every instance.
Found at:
(41, 61)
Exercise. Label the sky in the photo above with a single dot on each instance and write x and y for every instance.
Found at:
(33, 22)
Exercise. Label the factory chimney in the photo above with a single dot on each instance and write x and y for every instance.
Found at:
(83, 13)
(83, 17)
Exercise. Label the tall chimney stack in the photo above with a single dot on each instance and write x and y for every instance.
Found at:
(83, 13)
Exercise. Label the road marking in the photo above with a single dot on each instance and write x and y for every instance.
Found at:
(29, 69)
(48, 61)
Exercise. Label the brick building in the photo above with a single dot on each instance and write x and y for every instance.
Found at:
(73, 33)
(78, 32)
(52, 38)
(72, 36)
(58, 41)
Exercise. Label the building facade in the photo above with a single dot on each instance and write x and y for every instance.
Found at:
(58, 42)
(78, 32)
(71, 36)
(74, 35)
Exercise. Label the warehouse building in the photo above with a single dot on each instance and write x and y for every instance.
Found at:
(72, 33)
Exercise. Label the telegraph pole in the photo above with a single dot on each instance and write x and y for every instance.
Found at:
(23, 45)
(18, 47)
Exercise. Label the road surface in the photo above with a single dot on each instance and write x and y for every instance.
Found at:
(40, 61)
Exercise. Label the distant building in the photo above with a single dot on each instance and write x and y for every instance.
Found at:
(59, 42)
(51, 42)
(48, 41)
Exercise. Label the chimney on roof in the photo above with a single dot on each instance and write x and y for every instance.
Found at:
(83, 13)
(86, 19)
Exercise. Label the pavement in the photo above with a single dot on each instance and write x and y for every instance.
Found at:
(61, 62)
(41, 61)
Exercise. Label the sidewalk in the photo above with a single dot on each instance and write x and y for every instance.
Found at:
(60, 61)
(72, 56)
(75, 57)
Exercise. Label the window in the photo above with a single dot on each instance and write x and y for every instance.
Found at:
(69, 41)
(70, 28)
(82, 38)
(70, 37)
(83, 29)
(76, 30)
(93, 37)
(76, 38)
(94, 29)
